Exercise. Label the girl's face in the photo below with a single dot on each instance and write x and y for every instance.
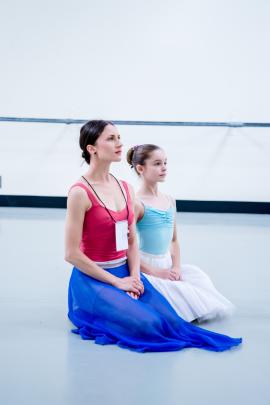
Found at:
(155, 167)
(108, 146)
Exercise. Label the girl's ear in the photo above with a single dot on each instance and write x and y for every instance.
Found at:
(140, 169)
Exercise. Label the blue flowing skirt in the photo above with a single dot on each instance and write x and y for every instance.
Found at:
(109, 315)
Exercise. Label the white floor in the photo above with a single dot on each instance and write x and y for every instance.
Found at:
(43, 363)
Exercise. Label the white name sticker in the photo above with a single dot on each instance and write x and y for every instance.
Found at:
(121, 235)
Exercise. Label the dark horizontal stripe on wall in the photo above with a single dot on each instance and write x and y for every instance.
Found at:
(237, 207)
(70, 121)
(32, 201)
(244, 207)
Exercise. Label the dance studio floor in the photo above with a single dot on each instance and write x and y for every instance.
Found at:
(43, 363)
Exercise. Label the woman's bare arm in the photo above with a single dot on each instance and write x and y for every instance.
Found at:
(77, 205)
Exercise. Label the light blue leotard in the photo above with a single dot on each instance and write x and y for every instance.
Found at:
(155, 230)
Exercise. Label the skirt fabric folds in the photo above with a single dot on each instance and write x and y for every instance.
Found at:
(194, 296)
(108, 315)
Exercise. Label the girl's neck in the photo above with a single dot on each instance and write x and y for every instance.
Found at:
(149, 189)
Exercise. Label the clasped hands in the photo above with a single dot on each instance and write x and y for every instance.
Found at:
(132, 285)
(172, 274)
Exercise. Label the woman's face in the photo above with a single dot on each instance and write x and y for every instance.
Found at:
(108, 146)
(155, 167)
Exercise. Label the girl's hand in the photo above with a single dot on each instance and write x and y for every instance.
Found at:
(175, 274)
(130, 284)
(162, 273)
(172, 274)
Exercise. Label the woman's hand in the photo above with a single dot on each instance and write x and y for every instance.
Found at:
(133, 295)
(130, 284)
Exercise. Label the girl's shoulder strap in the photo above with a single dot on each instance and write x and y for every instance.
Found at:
(170, 200)
(142, 209)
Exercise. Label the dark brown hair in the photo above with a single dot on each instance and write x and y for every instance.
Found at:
(138, 154)
(89, 134)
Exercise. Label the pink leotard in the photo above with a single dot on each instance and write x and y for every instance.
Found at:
(98, 235)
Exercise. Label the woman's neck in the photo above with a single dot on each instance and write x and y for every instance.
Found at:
(99, 172)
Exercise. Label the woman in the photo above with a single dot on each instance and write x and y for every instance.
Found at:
(187, 288)
(108, 302)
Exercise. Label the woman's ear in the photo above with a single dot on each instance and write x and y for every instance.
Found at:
(91, 149)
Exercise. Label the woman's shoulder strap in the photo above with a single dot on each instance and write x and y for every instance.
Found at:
(126, 187)
(90, 195)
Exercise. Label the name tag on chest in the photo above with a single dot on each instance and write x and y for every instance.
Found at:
(121, 235)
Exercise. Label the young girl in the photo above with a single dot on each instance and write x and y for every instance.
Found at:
(108, 302)
(187, 288)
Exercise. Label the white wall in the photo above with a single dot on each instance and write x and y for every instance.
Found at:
(144, 60)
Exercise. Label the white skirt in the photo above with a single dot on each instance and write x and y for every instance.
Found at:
(193, 297)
